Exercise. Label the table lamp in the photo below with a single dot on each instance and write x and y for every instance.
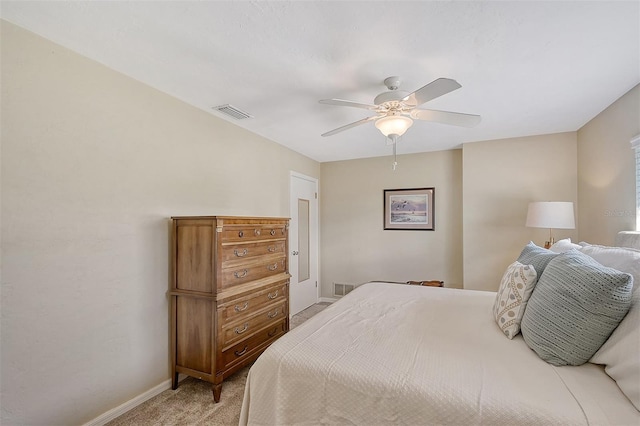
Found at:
(552, 215)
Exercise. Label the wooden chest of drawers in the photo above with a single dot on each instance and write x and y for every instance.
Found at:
(229, 293)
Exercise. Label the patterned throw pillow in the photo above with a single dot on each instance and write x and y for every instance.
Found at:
(576, 305)
(539, 257)
(515, 289)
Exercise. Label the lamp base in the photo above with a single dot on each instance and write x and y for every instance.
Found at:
(548, 244)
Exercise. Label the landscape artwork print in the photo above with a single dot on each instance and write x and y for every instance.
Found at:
(408, 209)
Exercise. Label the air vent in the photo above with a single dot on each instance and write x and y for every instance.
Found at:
(232, 111)
(340, 289)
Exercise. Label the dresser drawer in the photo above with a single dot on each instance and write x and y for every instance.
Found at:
(239, 252)
(260, 268)
(251, 232)
(240, 351)
(245, 306)
(239, 330)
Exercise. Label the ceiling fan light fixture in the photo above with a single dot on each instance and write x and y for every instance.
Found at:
(394, 107)
(393, 124)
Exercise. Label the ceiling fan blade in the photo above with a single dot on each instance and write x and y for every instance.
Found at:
(446, 117)
(341, 102)
(348, 126)
(436, 88)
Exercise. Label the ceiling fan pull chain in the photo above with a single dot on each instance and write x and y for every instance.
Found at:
(395, 163)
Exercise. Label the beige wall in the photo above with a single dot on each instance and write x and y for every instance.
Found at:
(93, 165)
(500, 178)
(606, 171)
(355, 248)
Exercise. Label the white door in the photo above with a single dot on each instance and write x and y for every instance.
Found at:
(303, 243)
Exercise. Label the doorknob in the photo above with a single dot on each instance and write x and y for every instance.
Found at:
(295, 252)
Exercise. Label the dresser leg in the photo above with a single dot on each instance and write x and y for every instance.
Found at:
(174, 381)
(217, 390)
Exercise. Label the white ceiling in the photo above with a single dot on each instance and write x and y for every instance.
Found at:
(527, 67)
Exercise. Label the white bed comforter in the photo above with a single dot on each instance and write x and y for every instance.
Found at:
(398, 354)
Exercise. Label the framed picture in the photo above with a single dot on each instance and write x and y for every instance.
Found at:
(409, 209)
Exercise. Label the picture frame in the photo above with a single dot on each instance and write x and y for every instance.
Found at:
(411, 209)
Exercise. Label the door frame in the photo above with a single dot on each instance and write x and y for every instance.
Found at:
(315, 181)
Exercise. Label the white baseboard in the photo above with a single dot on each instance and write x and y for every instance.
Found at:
(105, 418)
(327, 299)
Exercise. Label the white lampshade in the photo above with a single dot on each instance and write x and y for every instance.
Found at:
(393, 124)
(551, 214)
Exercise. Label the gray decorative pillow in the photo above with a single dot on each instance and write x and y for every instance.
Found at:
(539, 257)
(575, 306)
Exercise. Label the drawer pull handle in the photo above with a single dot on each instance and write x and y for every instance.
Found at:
(241, 274)
(273, 332)
(242, 352)
(273, 314)
(273, 232)
(256, 232)
(237, 308)
(272, 267)
(273, 295)
(271, 249)
(240, 253)
(240, 234)
(239, 330)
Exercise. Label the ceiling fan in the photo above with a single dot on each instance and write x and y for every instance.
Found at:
(395, 109)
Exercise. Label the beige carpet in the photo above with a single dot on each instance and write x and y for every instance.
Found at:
(192, 403)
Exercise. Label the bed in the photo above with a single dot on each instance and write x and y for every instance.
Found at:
(396, 354)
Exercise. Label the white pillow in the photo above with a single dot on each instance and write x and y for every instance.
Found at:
(620, 258)
(620, 353)
(515, 289)
(563, 245)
